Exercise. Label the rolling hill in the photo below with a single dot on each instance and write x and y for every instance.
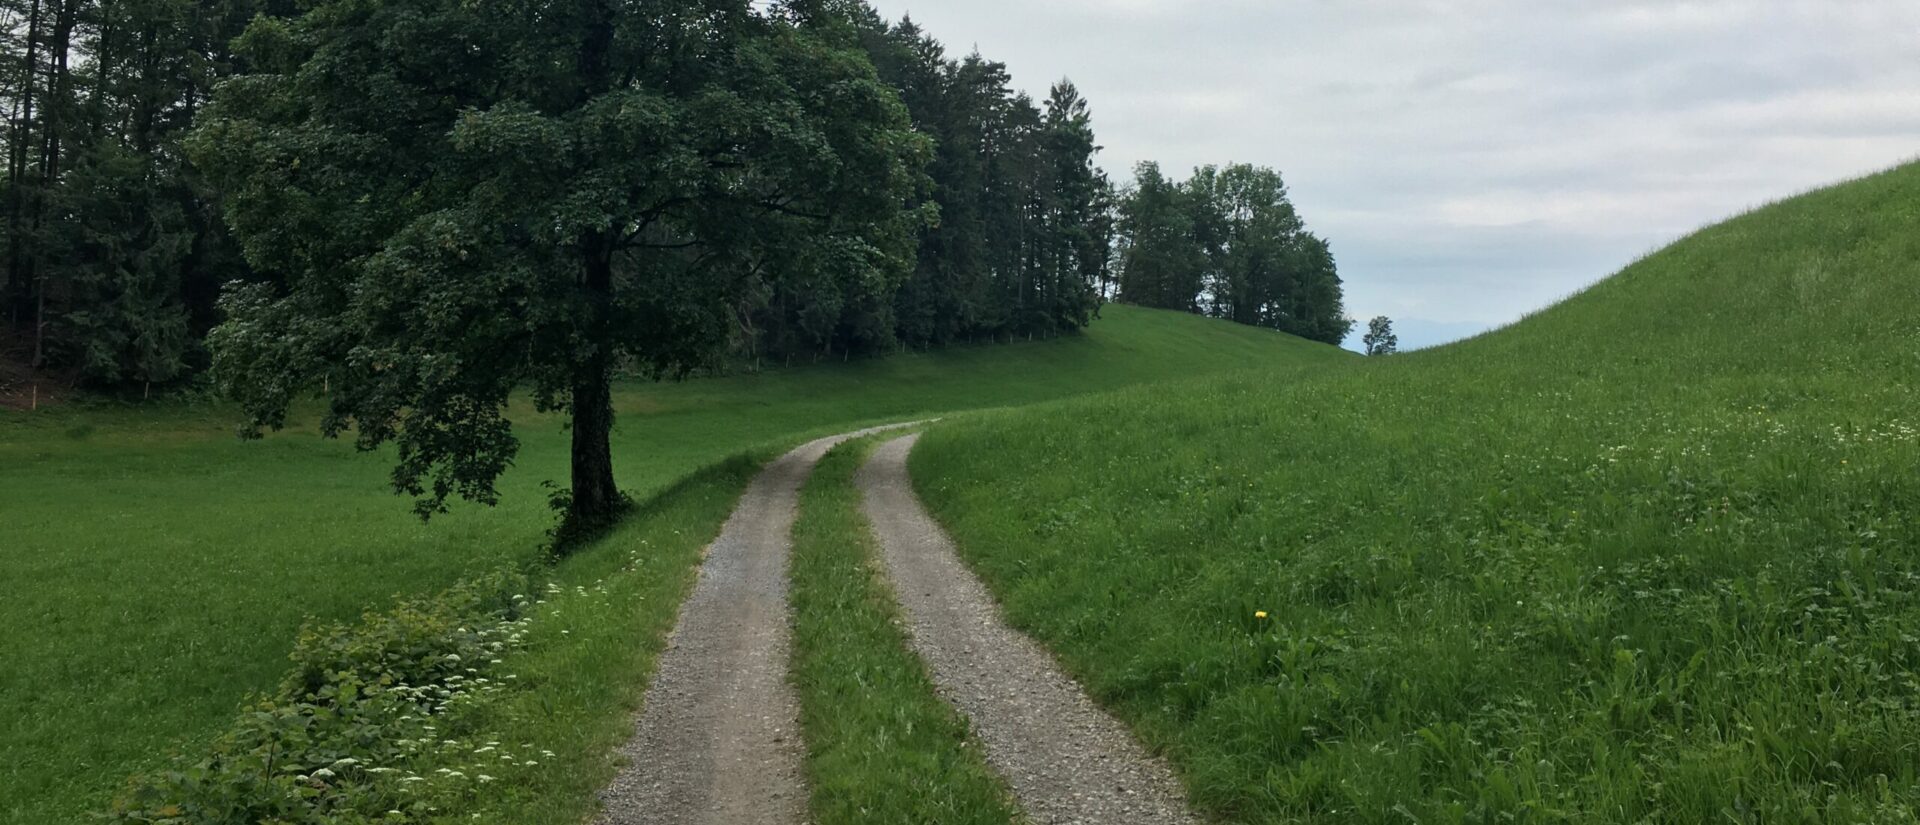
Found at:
(1648, 555)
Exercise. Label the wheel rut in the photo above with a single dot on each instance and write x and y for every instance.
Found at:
(717, 741)
(1066, 760)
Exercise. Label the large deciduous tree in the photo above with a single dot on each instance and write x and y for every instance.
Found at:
(463, 198)
(1263, 267)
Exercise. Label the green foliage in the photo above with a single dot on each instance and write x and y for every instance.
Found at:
(211, 551)
(1646, 556)
(1227, 242)
(351, 734)
(1380, 339)
(1263, 268)
(457, 214)
(112, 253)
(541, 694)
(1160, 266)
(1025, 217)
(1076, 225)
(882, 745)
(120, 252)
(115, 251)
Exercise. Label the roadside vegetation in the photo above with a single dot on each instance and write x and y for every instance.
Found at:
(160, 570)
(497, 699)
(882, 745)
(1645, 556)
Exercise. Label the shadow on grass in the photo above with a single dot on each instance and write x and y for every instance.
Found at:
(570, 541)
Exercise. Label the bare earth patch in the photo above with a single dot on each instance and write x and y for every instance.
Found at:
(18, 390)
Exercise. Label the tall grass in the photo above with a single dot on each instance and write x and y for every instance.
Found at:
(1650, 555)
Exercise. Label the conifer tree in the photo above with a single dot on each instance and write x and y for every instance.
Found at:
(113, 251)
(1074, 231)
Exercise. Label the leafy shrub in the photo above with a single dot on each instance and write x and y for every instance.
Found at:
(354, 732)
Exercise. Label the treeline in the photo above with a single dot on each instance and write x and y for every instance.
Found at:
(1025, 228)
(115, 252)
(1228, 243)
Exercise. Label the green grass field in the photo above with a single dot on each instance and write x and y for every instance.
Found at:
(158, 569)
(1648, 556)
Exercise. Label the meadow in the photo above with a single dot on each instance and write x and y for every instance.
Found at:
(159, 570)
(1646, 556)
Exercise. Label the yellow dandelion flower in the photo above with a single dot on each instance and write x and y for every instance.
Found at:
(1259, 614)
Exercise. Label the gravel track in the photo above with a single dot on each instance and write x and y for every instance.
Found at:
(717, 741)
(1066, 760)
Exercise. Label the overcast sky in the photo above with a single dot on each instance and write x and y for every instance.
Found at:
(1472, 160)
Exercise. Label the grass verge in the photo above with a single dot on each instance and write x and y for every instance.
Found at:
(498, 700)
(882, 746)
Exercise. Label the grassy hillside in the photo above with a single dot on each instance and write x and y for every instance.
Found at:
(1650, 555)
(157, 568)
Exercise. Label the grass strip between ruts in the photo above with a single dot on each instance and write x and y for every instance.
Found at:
(883, 747)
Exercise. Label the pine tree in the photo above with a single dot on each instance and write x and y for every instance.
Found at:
(1076, 243)
(118, 259)
(113, 249)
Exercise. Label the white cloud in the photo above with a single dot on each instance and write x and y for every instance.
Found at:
(1475, 159)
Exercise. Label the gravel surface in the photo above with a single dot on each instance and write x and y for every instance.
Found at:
(1066, 760)
(718, 740)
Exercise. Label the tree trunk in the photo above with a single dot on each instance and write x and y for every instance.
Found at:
(51, 138)
(18, 153)
(595, 498)
(39, 329)
(596, 501)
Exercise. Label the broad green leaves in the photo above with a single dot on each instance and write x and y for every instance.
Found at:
(465, 198)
